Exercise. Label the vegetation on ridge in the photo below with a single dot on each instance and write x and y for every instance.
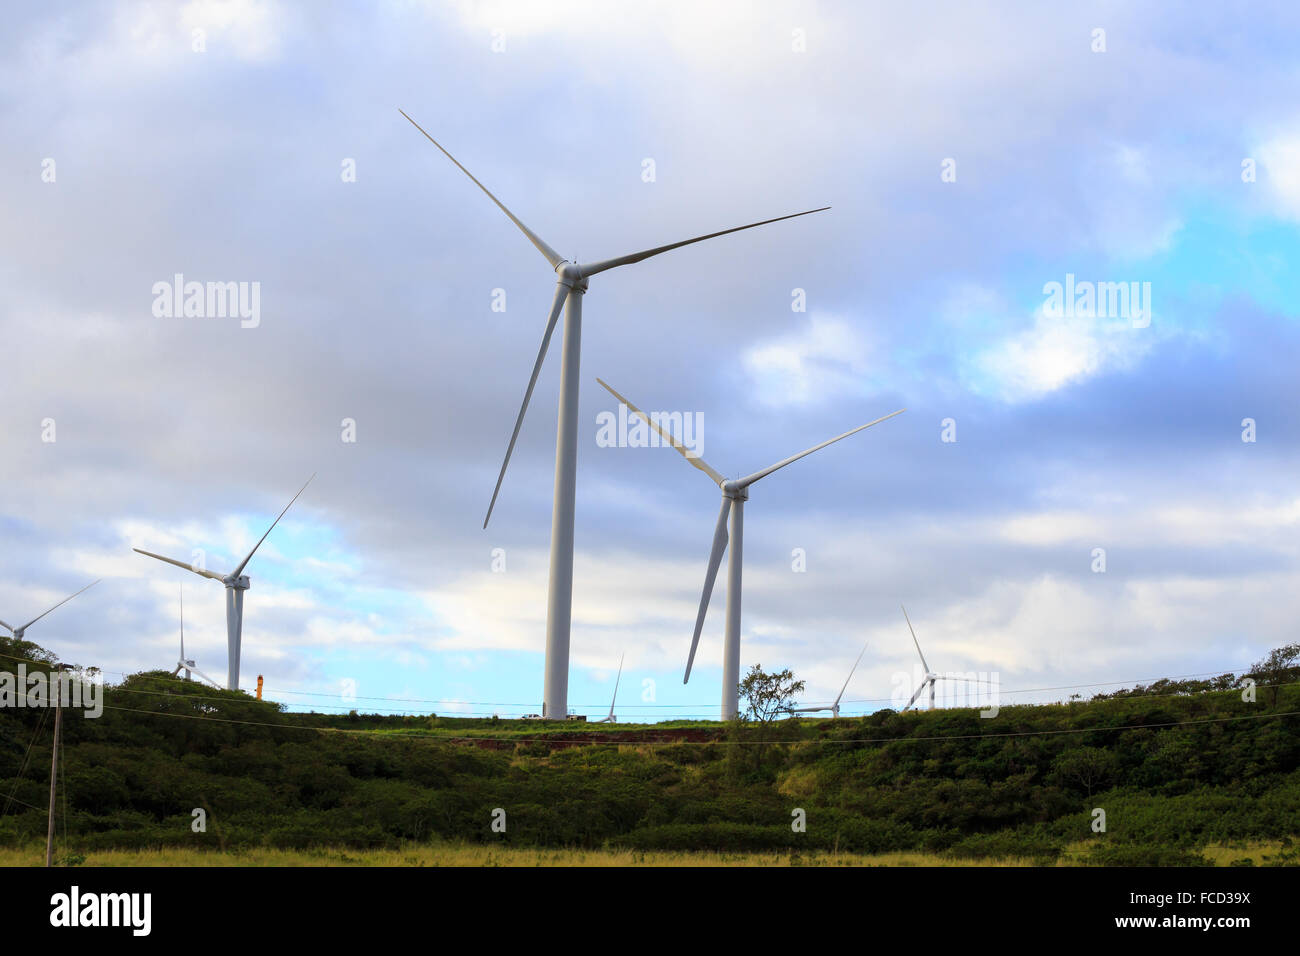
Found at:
(1175, 774)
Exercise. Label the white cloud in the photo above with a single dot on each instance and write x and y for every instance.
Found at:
(248, 29)
(1059, 351)
(186, 419)
(1183, 524)
(625, 601)
(1279, 159)
(826, 357)
(1134, 163)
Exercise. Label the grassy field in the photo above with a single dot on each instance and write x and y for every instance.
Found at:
(481, 855)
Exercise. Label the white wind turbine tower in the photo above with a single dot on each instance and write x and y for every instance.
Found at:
(611, 719)
(187, 663)
(931, 677)
(735, 492)
(835, 707)
(18, 632)
(236, 582)
(571, 285)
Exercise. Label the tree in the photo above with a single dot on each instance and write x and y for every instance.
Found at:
(1086, 767)
(1277, 668)
(769, 694)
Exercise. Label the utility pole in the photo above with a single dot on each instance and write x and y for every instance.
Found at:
(56, 675)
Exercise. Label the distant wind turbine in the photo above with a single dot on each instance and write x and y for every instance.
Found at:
(835, 707)
(18, 632)
(735, 492)
(611, 719)
(187, 663)
(236, 583)
(931, 677)
(571, 286)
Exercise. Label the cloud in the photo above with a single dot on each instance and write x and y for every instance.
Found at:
(175, 434)
(1059, 351)
(252, 29)
(1279, 159)
(825, 358)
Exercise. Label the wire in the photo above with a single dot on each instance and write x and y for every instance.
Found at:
(1038, 690)
(393, 712)
(26, 804)
(531, 704)
(23, 769)
(858, 700)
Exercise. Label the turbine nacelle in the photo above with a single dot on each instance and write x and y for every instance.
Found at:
(733, 489)
(570, 274)
(241, 582)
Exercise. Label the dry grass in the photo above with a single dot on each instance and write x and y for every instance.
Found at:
(477, 855)
(451, 854)
(1227, 855)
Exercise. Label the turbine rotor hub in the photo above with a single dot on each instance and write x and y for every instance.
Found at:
(730, 489)
(241, 583)
(570, 274)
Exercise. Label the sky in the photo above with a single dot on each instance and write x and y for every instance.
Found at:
(1073, 501)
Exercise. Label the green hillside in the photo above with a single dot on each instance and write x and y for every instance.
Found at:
(1176, 767)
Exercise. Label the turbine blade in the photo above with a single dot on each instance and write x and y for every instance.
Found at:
(195, 670)
(561, 295)
(178, 670)
(616, 680)
(604, 264)
(243, 564)
(60, 604)
(182, 622)
(916, 695)
(180, 564)
(692, 458)
(553, 257)
(915, 641)
(7, 627)
(720, 539)
(746, 482)
(850, 677)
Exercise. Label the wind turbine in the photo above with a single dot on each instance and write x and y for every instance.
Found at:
(610, 719)
(236, 582)
(735, 492)
(18, 632)
(835, 707)
(187, 663)
(570, 287)
(931, 677)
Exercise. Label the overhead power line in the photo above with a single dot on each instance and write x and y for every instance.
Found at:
(271, 691)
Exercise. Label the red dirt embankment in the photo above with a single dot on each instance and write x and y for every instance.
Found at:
(585, 738)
